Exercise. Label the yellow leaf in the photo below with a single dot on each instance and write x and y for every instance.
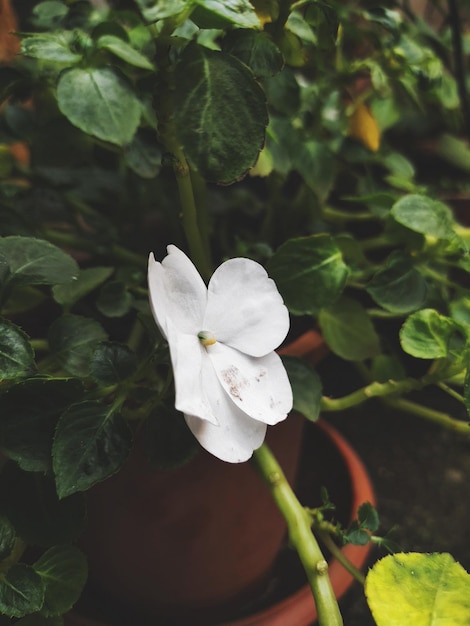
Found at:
(363, 126)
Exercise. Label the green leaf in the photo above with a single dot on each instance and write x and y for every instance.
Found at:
(398, 287)
(306, 387)
(7, 537)
(124, 51)
(114, 299)
(368, 517)
(222, 142)
(316, 163)
(107, 108)
(22, 299)
(256, 50)
(72, 339)
(427, 334)
(36, 262)
(348, 330)
(418, 589)
(88, 279)
(49, 15)
(309, 272)
(167, 439)
(16, 353)
(50, 47)
(21, 591)
(39, 620)
(225, 13)
(91, 443)
(424, 215)
(112, 363)
(143, 156)
(28, 414)
(63, 570)
(30, 501)
(154, 10)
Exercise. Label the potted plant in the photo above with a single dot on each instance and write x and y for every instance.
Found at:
(248, 147)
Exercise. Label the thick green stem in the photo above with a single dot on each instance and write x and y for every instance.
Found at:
(301, 537)
(438, 417)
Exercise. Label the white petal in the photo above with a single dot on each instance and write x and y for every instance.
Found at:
(259, 386)
(189, 359)
(245, 309)
(236, 436)
(176, 292)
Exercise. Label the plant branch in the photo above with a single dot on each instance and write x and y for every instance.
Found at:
(301, 537)
(438, 417)
(339, 556)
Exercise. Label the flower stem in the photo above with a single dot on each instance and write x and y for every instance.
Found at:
(301, 537)
(438, 417)
(339, 556)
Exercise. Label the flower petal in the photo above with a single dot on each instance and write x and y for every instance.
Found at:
(244, 308)
(259, 386)
(191, 391)
(236, 436)
(176, 292)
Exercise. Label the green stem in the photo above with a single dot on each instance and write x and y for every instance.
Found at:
(339, 556)
(301, 537)
(438, 417)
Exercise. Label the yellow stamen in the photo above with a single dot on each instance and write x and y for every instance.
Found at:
(206, 338)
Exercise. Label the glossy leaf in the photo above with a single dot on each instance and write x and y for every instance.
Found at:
(7, 537)
(72, 340)
(424, 215)
(125, 51)
(21, 591)
(91, 443)
(16, 353)
(256, 50)
(398, 286)
(306, 387)
(348, 330)
(112, 363)
(87, 280)
(50, 47)
(224, 13)
(63, 570)
(309, 272)
(28, 414)
(36, 262)
(418, 589)
(427, 334)
(107, 108)
(221, 142)
(154, 10)
(31, 503)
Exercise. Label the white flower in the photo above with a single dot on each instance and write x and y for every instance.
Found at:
(229, 381)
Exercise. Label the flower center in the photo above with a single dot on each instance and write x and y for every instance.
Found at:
(206, 338)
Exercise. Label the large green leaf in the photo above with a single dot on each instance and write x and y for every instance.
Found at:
(427, 334)
(88, 279)
(254, 49)
(36, 262)
(16, 353)
(107, 107)
(154, 10)
(21, 591)
(72, 339)
(91, 444)
(112, 363)
(398, 286)
(28, 414)
(31, 504)
(424, 215)
(225, 13)
(309, 272)
(220, 113)
(63, 570)
(348, 331)
(306, 387)
(419, 589)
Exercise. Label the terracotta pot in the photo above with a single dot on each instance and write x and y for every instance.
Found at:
(156, 541)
